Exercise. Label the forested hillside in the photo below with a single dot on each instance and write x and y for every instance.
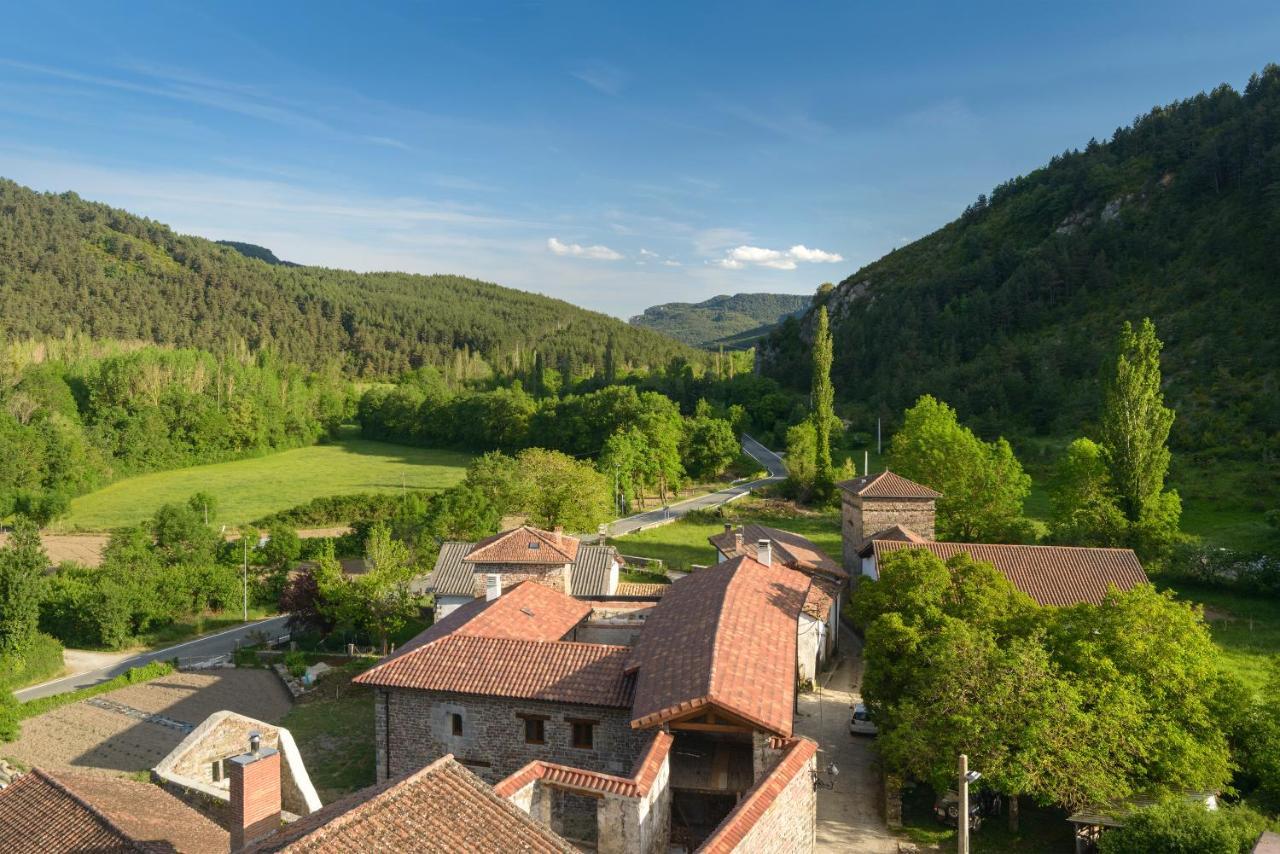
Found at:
(1008, 313)
(71, 265)
(722, 319)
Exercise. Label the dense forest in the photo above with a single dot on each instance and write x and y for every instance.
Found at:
(67, 264)
(730, 320)
(1009, 312)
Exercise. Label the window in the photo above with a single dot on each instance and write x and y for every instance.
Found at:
(216, 772)
(583, 734)
(455, 721)
(534, 731)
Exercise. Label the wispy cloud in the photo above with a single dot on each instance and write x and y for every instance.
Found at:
(603, 77)
(577, 250)
(776, 259)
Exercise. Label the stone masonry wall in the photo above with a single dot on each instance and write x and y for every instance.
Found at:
(790, 822)
(554, 576)
(862, 517)
(492, 733)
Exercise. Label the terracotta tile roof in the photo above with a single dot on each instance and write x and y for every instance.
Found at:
(635, 588)
(819, 599)
(594, 782)
(897, 532)
(757, 800)
(560, 671)
(1051, 575)
(525, 545)
(792, 549)
(723, 636)
(451, 575)
(442, 808)
(886, 484)
(51, 812)
(528, 611)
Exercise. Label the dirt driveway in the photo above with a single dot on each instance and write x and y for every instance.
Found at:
(133, 728)
(850, 817)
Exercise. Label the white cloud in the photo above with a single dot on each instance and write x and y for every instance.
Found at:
(603, 77)
(647, 253)
(577, 250)
(775, 259)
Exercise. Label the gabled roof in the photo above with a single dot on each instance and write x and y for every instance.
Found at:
(886, 484)
(1051, 575)
(792, 549)
(591, 674)
(639, 588)
(591, 570)
(441, 808)
(722, 636)
(64, 811)
(451, 576)
(819, 598)
(594, 782)
(525, 545)
(757, 800)
(897, 532)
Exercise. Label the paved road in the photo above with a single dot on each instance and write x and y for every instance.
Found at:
(758, 452)
(209, 646)
(850, 816)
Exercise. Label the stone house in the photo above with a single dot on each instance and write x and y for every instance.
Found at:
(464, 571)
(818, 632)
(900, 514)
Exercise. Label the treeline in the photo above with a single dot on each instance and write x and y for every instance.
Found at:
(70, 264)
(75, 414)
(1007, 312)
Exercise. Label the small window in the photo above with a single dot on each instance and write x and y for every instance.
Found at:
(583, 734)
(216, 772)
(455, 721)
(534, 731)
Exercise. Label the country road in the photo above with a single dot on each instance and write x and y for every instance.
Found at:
(758, 452)
(209, 646)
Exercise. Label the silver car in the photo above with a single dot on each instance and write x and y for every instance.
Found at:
(860, 723)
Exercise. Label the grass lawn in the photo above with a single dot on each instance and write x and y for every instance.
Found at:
(1040, 830)
(333, 727)
(1246, 628)
(248, 489)
(684, 543)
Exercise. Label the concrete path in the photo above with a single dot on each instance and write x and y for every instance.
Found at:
(219, 643)
(758, 452)
(850, 816)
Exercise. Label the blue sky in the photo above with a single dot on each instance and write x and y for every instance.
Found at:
(614, 155)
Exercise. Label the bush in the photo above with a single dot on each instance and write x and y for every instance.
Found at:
(340, 510)
(296, 663)
(10, 717)
(245, 657)
(41, 660)
(1178, 826)
(1209, 566)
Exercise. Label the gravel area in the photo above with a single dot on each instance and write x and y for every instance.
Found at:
(85, 735)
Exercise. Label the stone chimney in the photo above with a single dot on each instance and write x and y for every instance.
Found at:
(559, 532)
(737, 541)
(728, 527)
(492, 586)
(255, 793)
(764, 552)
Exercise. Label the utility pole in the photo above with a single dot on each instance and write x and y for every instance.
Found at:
(879, 446)
(962, 820)
(244, 538)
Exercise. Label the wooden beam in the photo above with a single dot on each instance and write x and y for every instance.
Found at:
(709, 727)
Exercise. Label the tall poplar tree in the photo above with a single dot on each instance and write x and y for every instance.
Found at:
(22, 566)
(1135, 424)
(823, 404)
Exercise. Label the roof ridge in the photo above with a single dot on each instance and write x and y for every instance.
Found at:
(98, 814)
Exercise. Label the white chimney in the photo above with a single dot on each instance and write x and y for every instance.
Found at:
(737, 541)
(764, 552)
(492, 586)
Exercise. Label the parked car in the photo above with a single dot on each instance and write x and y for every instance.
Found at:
(860, 723)
(983, 805)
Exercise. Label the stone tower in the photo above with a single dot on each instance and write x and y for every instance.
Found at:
(876, 502)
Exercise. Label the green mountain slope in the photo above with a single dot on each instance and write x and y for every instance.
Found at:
(253, 250)
(70, 264)
(732, 320)
(1010, 311)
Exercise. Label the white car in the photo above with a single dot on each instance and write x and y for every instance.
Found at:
(860, 723)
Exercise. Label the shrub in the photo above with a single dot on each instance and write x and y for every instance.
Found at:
(41, 660)
(296, 663)
(10, 716)
(1178, 826)
(1216, 567)
(245, 657)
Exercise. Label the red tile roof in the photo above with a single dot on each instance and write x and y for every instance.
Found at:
(757, 800)
(897, 532)
(819, 599)
(594, 782)
(722, 636)
(559, 671)
(886, 484)
(636, 588)
(792, 549)
(442, 808)
(52, 812)
(1051, 575)
(525, 545)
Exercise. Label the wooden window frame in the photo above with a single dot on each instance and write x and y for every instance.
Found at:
(578, 725)
(535, 730)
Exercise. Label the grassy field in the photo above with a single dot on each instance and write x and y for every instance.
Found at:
(1246, 628)
(333, 727)
(248, 489)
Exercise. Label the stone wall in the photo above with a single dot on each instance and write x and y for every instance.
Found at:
(557, 576)
(637, 825)
(790, 822)
(862, 517)
(492, 743)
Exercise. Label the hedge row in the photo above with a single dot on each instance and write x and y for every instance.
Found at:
(40, 662)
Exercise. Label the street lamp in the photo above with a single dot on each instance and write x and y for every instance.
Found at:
(962, 820)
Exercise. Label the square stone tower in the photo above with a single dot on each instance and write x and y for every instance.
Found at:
(876, 502)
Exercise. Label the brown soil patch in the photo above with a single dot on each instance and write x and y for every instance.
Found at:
(84, 549)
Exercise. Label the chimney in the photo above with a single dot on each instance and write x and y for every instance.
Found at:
(737, 541)
(492, 586)
(255, 793)
(764, 552)
(559, 532)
